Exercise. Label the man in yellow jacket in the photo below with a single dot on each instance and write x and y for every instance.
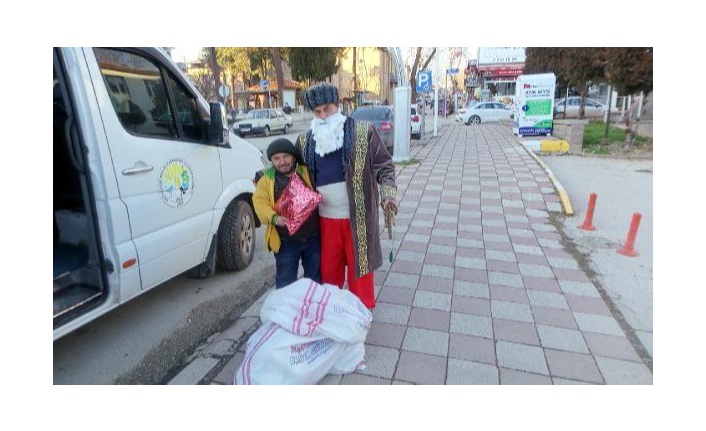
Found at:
(305, 243)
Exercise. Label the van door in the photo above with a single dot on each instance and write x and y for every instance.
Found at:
(168, 178)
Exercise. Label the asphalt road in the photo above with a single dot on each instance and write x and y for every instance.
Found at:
(623, 187)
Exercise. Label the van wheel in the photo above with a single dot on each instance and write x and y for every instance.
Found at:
(236, 236)
(286, 129)
(267, 131)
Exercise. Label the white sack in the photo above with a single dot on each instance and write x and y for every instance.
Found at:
(308, 331)
(310, 309)
(275, 356)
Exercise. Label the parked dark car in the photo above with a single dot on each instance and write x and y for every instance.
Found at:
(381, 117)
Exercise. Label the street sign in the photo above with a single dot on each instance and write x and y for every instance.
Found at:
(424, 81)
(452, 71)
(264, 83)
(224, 91)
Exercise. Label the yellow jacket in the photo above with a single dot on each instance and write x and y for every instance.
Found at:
(264, 201)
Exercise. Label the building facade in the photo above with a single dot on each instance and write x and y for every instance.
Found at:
(365, 75)
(498, 69)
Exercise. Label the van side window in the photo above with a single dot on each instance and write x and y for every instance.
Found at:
(137, 91)
(187, 111)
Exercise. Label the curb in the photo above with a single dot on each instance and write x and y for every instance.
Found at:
(547, 145)
(560, 190)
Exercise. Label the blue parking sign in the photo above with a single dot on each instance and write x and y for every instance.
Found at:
(424, 81)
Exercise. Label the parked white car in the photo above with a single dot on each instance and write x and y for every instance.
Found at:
(593, 108)
(263, 121)
(417, 121)
(485, 112)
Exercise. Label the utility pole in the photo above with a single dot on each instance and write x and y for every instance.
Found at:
(355, 78)
(436, 90)
(607, 113)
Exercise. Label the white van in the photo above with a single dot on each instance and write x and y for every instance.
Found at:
(148, 182)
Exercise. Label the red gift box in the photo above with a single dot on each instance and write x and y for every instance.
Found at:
(296, 203)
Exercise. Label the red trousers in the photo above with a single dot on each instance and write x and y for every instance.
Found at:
(336, 254)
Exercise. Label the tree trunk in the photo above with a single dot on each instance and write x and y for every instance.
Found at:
(216, 71)
(277, 60)
(582, 103)
(413, 74)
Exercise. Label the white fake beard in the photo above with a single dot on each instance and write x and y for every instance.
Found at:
(328, 133)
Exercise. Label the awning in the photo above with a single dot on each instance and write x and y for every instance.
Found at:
(504, 70)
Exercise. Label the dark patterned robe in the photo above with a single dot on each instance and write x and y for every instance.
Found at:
(370, 177)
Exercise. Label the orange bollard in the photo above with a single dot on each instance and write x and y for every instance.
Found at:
(588, 221)
(629, 248)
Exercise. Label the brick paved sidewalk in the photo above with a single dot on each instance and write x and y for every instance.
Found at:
(481, 290)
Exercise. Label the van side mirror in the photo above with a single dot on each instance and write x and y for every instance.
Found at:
(218, 125)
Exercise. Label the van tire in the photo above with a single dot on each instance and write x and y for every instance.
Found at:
(236, 236)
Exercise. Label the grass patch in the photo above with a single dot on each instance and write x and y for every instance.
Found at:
(408, 162)
(595, 142)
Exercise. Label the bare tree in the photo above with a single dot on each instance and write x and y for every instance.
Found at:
(415, 66)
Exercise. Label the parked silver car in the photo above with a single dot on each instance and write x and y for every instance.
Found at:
(594, 108)
(262, 122)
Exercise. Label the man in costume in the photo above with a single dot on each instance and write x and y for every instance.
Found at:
(353, 171)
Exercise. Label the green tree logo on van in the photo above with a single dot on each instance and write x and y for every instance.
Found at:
(176, 183)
